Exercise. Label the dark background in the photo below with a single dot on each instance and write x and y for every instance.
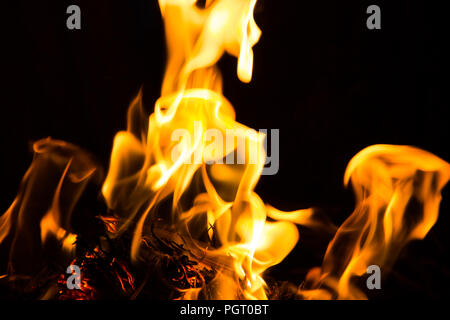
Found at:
(329, 84)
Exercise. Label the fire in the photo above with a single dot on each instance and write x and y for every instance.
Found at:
(227, 209)
(40, 216)
(240, 243)
(176, 155)
(398, 191)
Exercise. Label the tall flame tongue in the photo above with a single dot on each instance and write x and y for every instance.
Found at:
(222, 207)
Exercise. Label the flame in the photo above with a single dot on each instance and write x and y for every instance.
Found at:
(143, 170)
(42, 211)
(192, 153)
(398, 191)
(214, 209)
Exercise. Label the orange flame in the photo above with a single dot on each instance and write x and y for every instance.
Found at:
(398, 191)
(178, 155)
(143, 170)
(42, 211)
(216, 199)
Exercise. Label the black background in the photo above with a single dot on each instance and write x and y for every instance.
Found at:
(328, 83)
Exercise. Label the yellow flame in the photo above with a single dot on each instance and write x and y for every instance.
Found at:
(178, 154)
(144, 171)
(398, 191)
(243, 244)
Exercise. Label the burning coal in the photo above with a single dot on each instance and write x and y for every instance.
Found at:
(191, 224)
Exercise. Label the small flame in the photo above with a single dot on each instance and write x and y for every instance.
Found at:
(42, 211)
(398, 191)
